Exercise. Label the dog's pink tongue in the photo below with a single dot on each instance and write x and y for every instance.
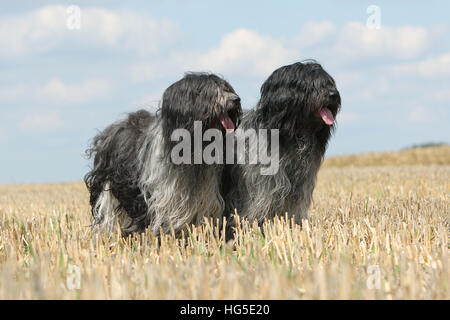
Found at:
(327, 116)
(227, 123)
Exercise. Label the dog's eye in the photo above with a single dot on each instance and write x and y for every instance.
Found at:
(333, 94)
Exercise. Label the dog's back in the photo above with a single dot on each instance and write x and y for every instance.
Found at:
(112, 181)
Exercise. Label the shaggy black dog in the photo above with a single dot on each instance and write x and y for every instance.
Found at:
(134, 181)
(301, 101)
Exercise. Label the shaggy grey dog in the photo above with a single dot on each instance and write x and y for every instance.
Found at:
(301, 101)
(134, 181)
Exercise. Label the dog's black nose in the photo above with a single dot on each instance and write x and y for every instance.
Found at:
(236, 99)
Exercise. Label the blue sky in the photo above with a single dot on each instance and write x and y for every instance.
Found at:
(59, 86)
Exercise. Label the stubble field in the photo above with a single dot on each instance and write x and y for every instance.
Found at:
(378, 229)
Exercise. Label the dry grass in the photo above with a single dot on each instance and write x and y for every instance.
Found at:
(416, 156)
(391, 217)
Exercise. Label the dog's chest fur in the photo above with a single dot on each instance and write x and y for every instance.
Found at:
(300, 167)
(258, 196)
(178, 195)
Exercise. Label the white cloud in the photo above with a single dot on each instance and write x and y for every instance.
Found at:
(355, 40)
(431, 67)
(46, 28)
(421, 115)
(248, 52)
(313, 33)
(157, 68)
(56, 91)
(13, 93)
(32, 32)
(440, 95)
(128, 29)
(44, 121)
(241, 51)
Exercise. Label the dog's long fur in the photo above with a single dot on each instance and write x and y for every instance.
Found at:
(290, 102)
(134, 181)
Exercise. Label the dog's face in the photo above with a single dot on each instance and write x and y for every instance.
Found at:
(301, 96)
(227, 109)
(201, 97)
